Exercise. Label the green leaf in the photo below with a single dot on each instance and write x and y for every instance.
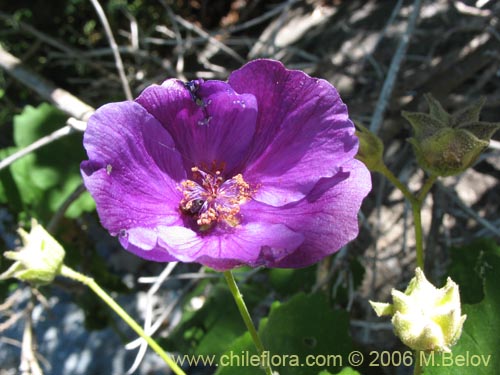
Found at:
(478, 350)
(9, 193)
(234, 361)
(46, 177)
(465, 268)
(302, 330)
(304, 326)
(345, 371)
(289, 281)
(217, 323)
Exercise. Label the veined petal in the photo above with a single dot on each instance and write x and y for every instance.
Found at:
(327, 216)
(303, 130)
(258, 171)
(211, 125)
(253, 244)
(143, 242)
(133, 168)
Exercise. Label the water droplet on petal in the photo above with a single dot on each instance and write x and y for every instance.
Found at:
(205, 121)
(240, 102)
(109, 168)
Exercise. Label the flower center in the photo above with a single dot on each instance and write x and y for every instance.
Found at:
(209, 199)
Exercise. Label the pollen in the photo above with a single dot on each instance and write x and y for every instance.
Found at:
(210, 199)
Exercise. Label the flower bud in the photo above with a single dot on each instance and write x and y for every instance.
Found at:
(425, 318)
(40, 258)
(446, 144)
(371, 148)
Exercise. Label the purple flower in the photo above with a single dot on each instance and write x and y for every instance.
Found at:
(259, 170)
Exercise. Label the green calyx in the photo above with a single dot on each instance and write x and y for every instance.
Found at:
(371, 148)
(424, 317)
(39, 260)
(447, 144)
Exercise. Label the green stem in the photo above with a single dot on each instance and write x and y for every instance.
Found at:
(417, 369)
(416, 206)
(238, 298)
(88, 281)
(417, 217)
(417, 223)
(395, 181)
(427, 186)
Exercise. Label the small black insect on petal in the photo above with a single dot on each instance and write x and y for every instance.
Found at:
(195, 206)
(193, 87)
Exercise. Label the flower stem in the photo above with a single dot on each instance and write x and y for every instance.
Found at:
(417, 223)
(417, 369)
(395, 181)
(417, 218)
(88, 281)
(238, 298)
(416, 206)
(427, 186)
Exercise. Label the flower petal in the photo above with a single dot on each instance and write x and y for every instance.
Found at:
(133, 168)
(303, 130)
(327, 217)
(283, 136)
(143, 242)
(212, 125)
(253, 244)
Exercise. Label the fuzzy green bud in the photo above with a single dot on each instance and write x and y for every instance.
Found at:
(371, 148)
(447, 144)
(424, 317)
(39, 260)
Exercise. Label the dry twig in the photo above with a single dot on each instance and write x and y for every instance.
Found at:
(62, 99)
(397, 59)
(114, 47)
(29, 363)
